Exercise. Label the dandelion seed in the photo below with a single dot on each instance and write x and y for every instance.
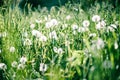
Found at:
(101, 25)
(20, 66)
(116, 45)
(107, 64)
(25, 34)
(55, 49)
(92, 35)
(14, 64)
(60, 50)
(27, 42)
(53, 35)
(12, 49)
(38, 21)
(3, 66)
(86, 23)
(96, 18)
(32, 26)
(23, 60)
(48, 25)
(54, 22)
(68, 17)
(100, 43)
(43, 38)
(36, 33)
(74, 27)
(43, 67)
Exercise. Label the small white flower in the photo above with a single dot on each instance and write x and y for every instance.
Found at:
(68, 17)
(100, 43)
(60, 50)
(23, 60)
(86, 23)
(111, 29)
(32, 26)
(114, 26)
(43, 38)
(92, 35)
(12, 49)
(74, 27)
(14, 64)
(116, 45)
(96, 18)
(107, 64)
(36, 33)
(55, 49)
(54, 22)
(38, 21)
(3, 66)
(53, 35)
(21, 66)
(25, 34)
(43, 67)
(27, 42)
(100, 25)
(48, 25)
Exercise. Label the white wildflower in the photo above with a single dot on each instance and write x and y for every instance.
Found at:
(68, 17)
(25, 34)
(38, 21)
(43, 38)
(12, 49)
(86, 23)
(53, 35)
(100, 25)
(27, 42)
(60, 50)
(21, 66)
(116, 45)
(54, 22)
(43, 67)
(92, 35)
(114, 26)
(14, 64)
(55, 49)
(48, 25)
(36, 33)
(74, 27)
(100, 43)
(32, 26)
(3, 66)
(23, 60)
(96, 18)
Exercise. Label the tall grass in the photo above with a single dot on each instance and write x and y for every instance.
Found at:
(64, 44)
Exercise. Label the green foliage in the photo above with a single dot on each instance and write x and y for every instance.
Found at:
(61, 44)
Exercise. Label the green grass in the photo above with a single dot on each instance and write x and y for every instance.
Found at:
(70, 54)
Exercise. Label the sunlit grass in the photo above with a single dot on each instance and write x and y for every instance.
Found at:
(61, 44)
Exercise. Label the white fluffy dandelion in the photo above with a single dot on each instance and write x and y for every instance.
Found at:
(43, 38)
(100, 43)
(36, 33)
(43, 67)
(96, 18)
(74, 27)
(32, 26)
(100, 25)
(23, 60)
(3, 66)
(86, 23)
(27, 42)
(14, 64)
(12, 49)
(53, 35)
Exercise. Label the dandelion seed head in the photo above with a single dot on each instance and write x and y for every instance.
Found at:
(32, 26)
(96, 18)
(23, 60)
(86, 23)
(3, 66)
(43, 67)
(12, 49)
(14, 64)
